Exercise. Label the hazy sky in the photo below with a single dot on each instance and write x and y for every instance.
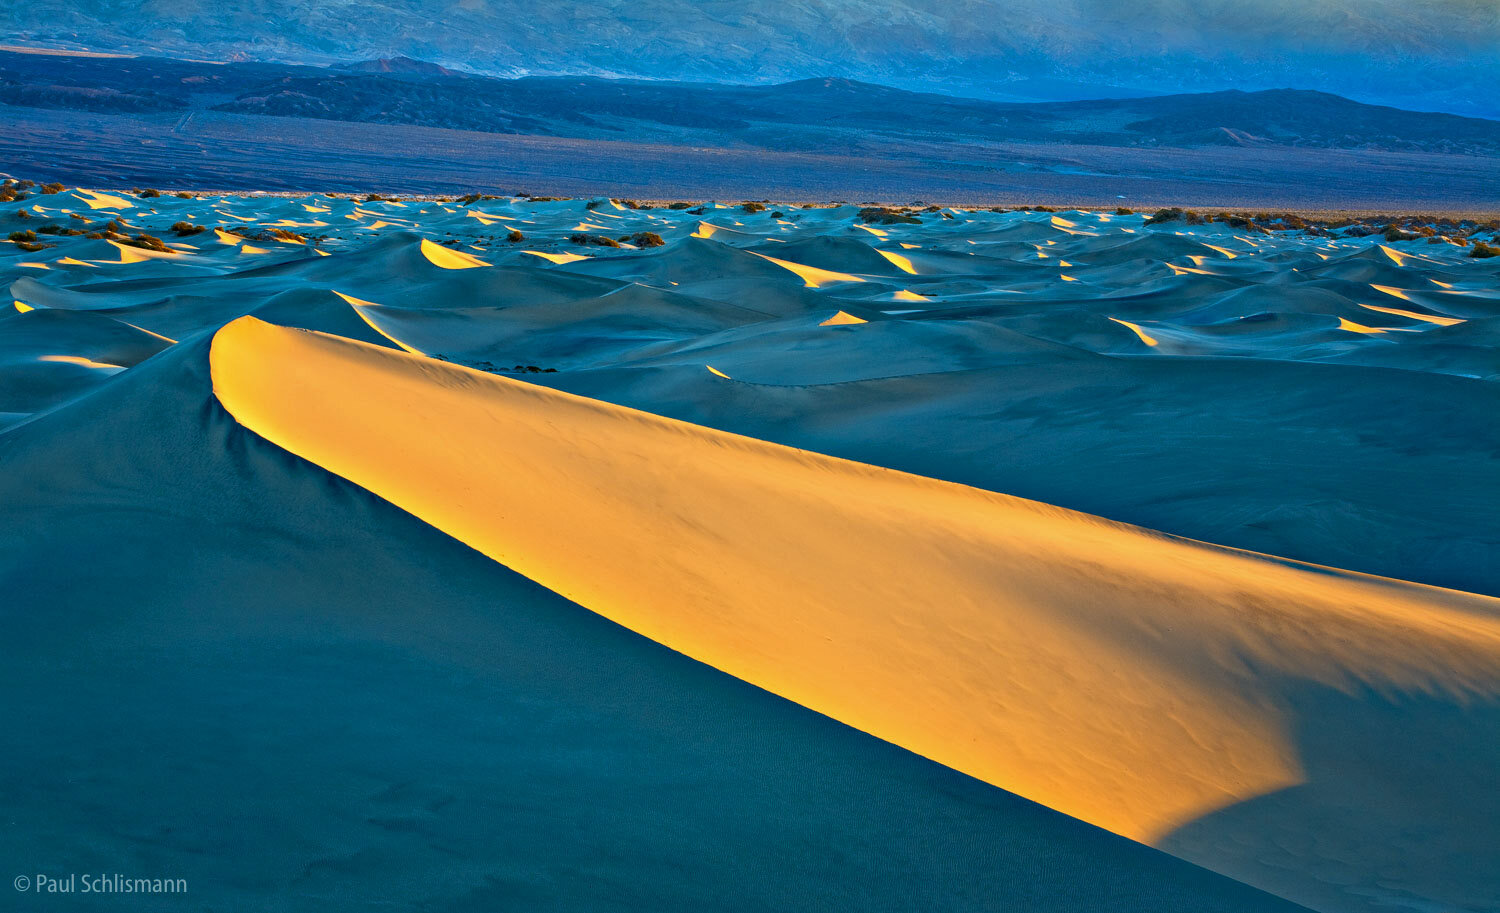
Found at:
(1421, 53)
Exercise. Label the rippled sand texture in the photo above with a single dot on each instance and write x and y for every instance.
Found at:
(1186, 534)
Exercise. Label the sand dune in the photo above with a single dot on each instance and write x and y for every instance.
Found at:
(1183, 533)
(1101, 670)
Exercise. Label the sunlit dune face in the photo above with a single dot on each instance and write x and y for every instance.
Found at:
(902, 263)
(1393, 292)
(1117, 675)
(447, 258)
(841, 319)
(1425, 318)
(1145, 337)
(95, 200)
(812, 275)
(82, 362)
(556, 258)
(1352, 327)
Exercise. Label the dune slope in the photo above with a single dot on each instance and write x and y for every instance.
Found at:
(224, 664)
(1143, 683)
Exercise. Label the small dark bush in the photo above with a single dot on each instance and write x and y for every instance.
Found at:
(1483, 251)
(515, 236)
(1395, 234)
(51, 228)
(1166, 215)
(884, 216)
(184, 195)
(149, 242)
(679, 205)
(184, 229)
(753, 207)
(592, 205)
(644, 239)
(150, 194)
(1122, 211)
(601, 240)
(22, 214)
(27, 235)
(33, 246)
(52, 188)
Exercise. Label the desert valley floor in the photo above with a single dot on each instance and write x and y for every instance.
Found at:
(365, 555)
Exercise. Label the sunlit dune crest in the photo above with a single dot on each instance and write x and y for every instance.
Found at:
(96, 200)
(841, 319)
(1135, 328)
(1395, 292)
(1414, 315)
(556, 258)
(82, 362)
(908, 295)
(447, 258)
(1352, 327)
(902, 263)
(1103, 670)
(812, 275)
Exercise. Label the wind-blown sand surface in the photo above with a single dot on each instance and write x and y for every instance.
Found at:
(1184, 534)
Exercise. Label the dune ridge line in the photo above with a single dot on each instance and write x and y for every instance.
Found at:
(1131, 679)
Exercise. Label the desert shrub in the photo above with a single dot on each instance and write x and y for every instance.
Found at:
(1044, 209)
(1122, 211)
(184, 229)
(697, 212)
(592, 205)
(885, 216)
(1166, 215)
(25, 185)
(33, 246)
(644, 239)
(71, 231)
(149, 242)
(1395, 234)
(52, 188)
(753, 207)
(23, 214)
(1483, 251)
(601, 240)
(27, 235)
(184, 195)
(778, 214)
(679, 205)
(51, 228)
(515, 236)
(94, 235)
(150, 194)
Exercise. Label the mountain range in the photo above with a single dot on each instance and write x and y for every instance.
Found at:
(818, 114)
(1419, 54)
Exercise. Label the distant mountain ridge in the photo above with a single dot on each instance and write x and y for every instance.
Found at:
(1422, 54)
(810, 113)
